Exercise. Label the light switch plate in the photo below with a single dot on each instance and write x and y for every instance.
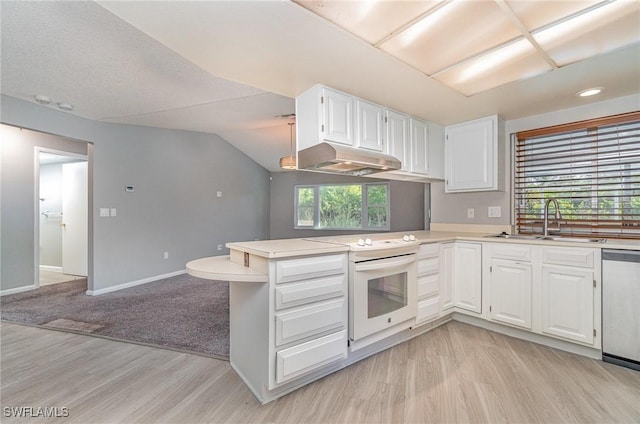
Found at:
(113, 211)
(218, 194)
(494, 212)
(104, 212)
(471, 213)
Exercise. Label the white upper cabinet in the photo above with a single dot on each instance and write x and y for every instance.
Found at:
(370, 120)
(338, 123)
(397, 137)
(323, 114)
(419, 147)
(472, 155)
(327, 115)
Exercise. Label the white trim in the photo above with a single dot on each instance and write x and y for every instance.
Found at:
(51, 268)
(18, 290)
(134, 283)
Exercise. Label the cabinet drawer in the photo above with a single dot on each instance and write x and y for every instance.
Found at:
(568, 256)
(309, 356)
(511, 251)
(429, 250)
(428, 309)
(309, 321)
(428, 285)
(307, 268)
(296, 294)
(428, 266)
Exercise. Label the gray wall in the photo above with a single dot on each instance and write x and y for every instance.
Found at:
(452, 208)
(407, 203)
(50, 231)
(174, 207)
(17, 193)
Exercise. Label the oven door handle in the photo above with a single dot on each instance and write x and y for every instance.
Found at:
(384, 264)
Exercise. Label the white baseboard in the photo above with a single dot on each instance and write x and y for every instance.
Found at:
(134, 283)
(18, 290)
(51, 268)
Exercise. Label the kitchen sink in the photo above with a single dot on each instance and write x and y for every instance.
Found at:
(515, 236)
(547, 238)
(574, 239)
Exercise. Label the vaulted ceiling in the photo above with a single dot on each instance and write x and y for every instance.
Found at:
(233, 67)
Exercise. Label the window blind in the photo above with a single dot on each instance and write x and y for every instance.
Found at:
(591, 167)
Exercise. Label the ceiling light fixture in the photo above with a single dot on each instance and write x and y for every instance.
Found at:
(65, 106)
(289, 162)
(589, 92)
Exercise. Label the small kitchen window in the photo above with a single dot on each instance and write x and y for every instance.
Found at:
(591, 167)
(342, 206)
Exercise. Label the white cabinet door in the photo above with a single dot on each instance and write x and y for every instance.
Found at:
(467, 284)
(446, 276)
(397, 138)
(369, 126)
(511, 296)
(338, 117)
(419, 147)
(567, 303)
(471, 156)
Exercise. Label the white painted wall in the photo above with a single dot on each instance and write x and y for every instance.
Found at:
(452, 207)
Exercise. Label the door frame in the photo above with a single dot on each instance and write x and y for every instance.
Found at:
(36, 209)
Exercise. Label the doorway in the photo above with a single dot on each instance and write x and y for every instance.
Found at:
(61, 226)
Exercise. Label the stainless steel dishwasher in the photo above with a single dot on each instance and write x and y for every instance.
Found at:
(621, 307)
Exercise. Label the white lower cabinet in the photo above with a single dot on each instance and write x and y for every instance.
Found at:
(307, 357)
(467, 281)
(446, 276)
(428, 283)
(308, 316)
(567, 303)
(553, 291)
(511, 292)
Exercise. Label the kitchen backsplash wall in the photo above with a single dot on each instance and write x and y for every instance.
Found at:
(406, 206)
(452, 207)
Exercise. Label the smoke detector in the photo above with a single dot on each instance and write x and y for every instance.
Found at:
(42, 99)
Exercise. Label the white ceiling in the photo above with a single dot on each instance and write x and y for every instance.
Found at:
(231, 67)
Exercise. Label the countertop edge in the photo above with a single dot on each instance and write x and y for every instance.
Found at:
(221, 268)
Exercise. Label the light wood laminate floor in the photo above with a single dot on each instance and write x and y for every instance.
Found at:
(455, 373)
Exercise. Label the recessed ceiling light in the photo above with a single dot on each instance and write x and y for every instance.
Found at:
(589, 92)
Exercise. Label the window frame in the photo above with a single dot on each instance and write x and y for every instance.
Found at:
(364, 207)
(566, 131)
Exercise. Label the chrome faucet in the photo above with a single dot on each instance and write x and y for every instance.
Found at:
(545, 227)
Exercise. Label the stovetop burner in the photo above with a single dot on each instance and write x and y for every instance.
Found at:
(369, 244)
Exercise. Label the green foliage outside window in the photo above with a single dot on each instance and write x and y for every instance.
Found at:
(343, 206)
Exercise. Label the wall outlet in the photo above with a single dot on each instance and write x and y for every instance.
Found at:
(471, 213)
(219, 247)
(494, 212)
(166, 255)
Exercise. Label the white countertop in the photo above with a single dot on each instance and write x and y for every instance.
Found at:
(221, 268)
(284, 248)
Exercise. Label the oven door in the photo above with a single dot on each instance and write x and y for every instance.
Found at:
(382, 294)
